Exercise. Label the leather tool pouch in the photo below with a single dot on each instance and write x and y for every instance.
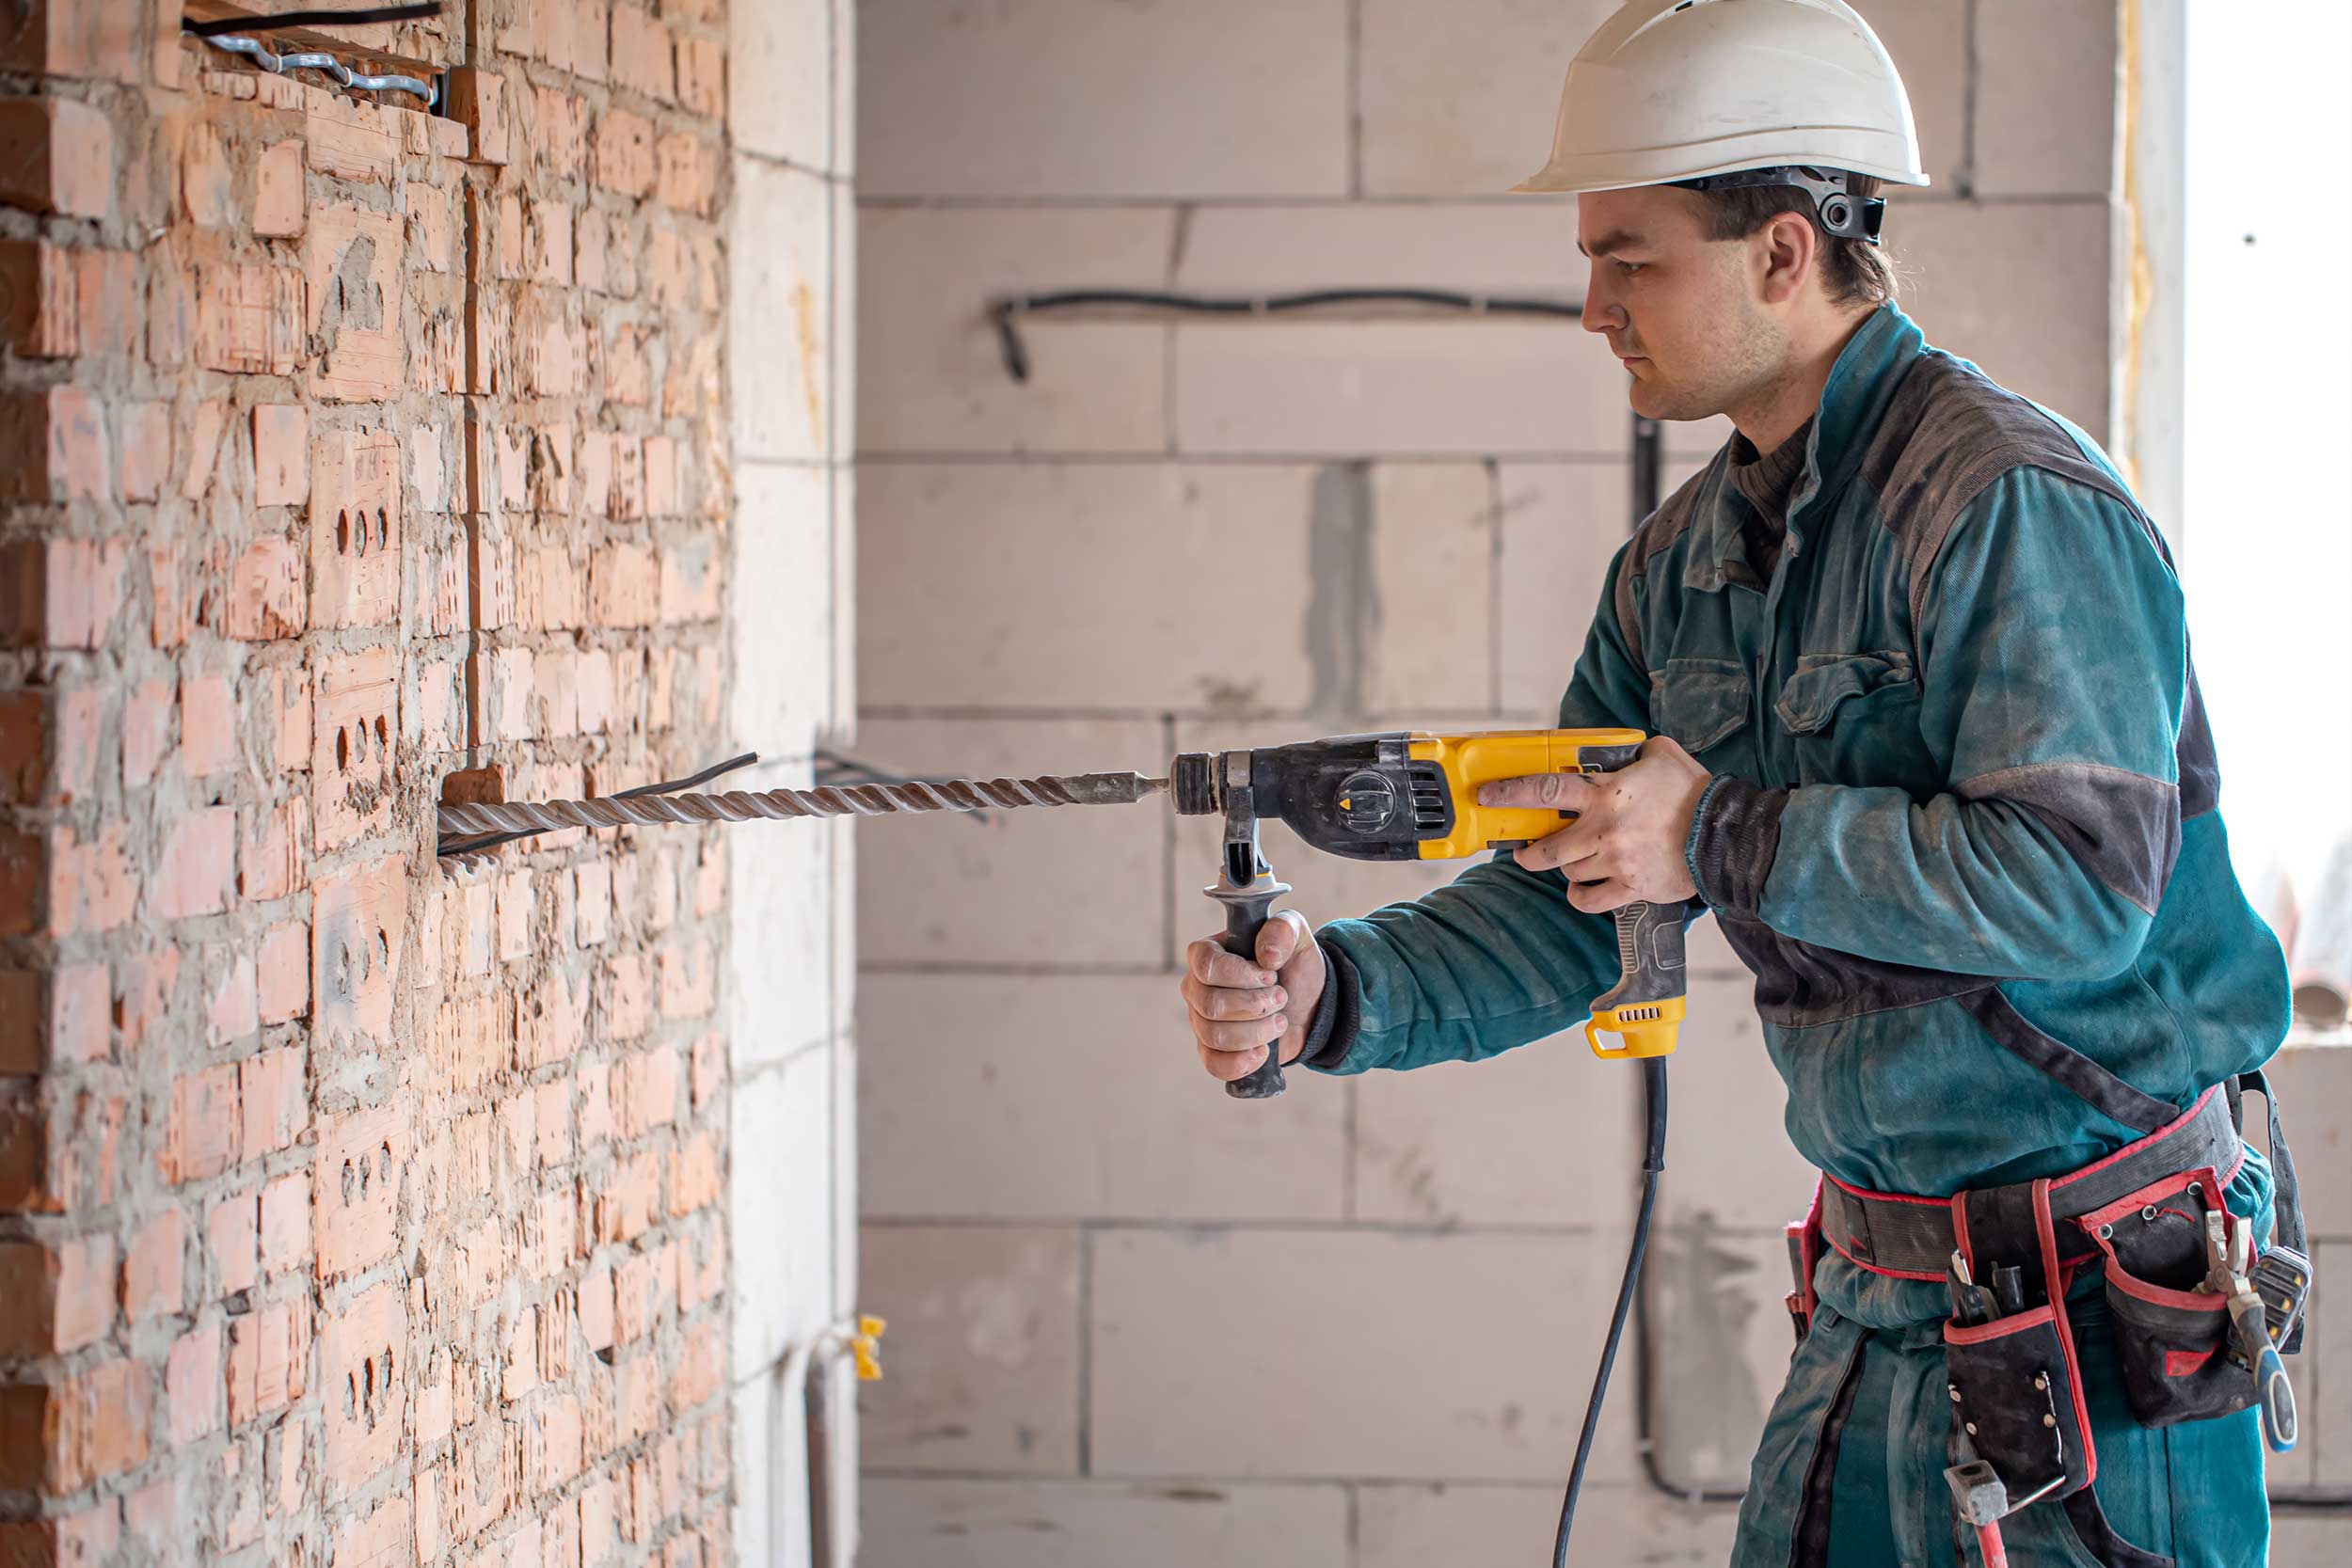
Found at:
(2014, 1378)
(2172, 1340)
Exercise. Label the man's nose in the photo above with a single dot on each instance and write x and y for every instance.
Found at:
(1601, 313)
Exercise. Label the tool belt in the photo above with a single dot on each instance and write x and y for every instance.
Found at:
(2150, 1218)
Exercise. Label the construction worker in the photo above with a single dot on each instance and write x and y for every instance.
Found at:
(1927, 744)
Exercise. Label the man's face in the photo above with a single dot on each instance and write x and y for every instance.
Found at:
(1680, 310)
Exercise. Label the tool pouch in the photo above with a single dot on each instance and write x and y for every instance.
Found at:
(2172, 1341)
(2014, 1379)
(1804, 1250)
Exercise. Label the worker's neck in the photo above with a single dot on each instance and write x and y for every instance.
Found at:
(1784, 403)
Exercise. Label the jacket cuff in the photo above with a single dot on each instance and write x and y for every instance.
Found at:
(1338, 1015)
(1735, 837)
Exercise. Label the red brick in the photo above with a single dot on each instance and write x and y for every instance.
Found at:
(367, 1370)
(351, 138)
(30, 1274)
(28, 1177)
(359, 931)
(701, 1372)
(559, 135)
(193, 1384)
(27, 745)
(208, 725)
(54, 447)
(278, 190)
(147, 710)
(357, 727)
(477, 99)
(267, 598)
(146, 451)
(196, 870)
(708, 1068)
(24, 1019)
(624, 586)
(550, 1016)
(689, 980)
(624, 155)
(232, 1235)
(249, 318)
(208, 193)
(355, 1189)
(232, 1009)
(274, 1090)
(644, 1091)
(694, 1178)
(626, 999)
(38, 299)
(91, 1425)
(640, 54)
(273, 857)
(285, 972)
(269, 1351)
(355, 528)
(81, 1014)
(688, 174)
(281, 454)
(106, 300)
(110, 41)
(624, 1204)
(285, 704)
(202, 1128)
(285, 1224)
(702, 80)
(170, 307)
(91, 886)
(62, 156)
(152, 1269)
(59, 592)
(351, 259)
(80, 724)
(144, 994)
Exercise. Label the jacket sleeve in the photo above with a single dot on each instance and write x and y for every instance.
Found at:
(2054, 671)
(1497, 958)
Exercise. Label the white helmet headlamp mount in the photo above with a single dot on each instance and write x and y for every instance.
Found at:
(1836, 208)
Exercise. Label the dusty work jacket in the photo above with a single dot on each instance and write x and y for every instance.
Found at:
(1963, 812)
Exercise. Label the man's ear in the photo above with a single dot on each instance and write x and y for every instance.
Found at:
(1784, 250)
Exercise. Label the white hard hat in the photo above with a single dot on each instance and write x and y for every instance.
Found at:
(1674, 90)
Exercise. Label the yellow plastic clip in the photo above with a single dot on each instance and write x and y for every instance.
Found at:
(866, 1348)
(1648, 1028)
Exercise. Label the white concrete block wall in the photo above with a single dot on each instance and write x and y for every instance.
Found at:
(791, 1202)
(1199, 534)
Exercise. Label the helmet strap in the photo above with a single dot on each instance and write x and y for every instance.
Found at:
(1836, 208)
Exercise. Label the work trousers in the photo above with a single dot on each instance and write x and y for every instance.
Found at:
(1850, 1472)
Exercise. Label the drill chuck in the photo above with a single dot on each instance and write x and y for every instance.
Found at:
(1191, 783)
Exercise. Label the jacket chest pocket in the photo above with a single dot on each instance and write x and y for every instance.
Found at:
(1853, 719)
(1702, 702)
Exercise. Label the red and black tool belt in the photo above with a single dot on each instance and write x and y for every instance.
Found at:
(2008, 1255)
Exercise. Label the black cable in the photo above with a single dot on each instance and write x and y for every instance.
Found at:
(309, 19)
(1653, 1161)
(491, 841)
(1017, 355)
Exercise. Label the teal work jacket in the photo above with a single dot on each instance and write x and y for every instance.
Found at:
(1963, 825)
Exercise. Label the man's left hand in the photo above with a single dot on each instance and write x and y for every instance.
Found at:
(1626, 844)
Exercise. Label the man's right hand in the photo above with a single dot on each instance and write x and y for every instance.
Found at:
(1238, 1007)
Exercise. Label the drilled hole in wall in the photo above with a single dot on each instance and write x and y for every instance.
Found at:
(343, 534)
(343, 748)
(383, 531)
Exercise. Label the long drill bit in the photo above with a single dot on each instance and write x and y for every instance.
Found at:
(612, 811)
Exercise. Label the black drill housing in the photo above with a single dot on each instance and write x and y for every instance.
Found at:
(1360, 795)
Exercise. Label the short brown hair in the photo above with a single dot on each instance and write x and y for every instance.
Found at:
(1854, 271)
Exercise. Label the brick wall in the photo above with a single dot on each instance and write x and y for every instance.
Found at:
(1135, 1321)
(354, 1210)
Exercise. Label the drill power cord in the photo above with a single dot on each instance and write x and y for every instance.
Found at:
(1653, 1161)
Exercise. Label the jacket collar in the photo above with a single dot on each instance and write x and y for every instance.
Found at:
(1860, 384)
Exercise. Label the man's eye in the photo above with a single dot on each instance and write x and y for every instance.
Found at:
(1627, 269)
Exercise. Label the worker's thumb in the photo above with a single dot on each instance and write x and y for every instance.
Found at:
(1280, 938)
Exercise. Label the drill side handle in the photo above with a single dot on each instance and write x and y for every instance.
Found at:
(1245, 914)
(1645, 1006)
